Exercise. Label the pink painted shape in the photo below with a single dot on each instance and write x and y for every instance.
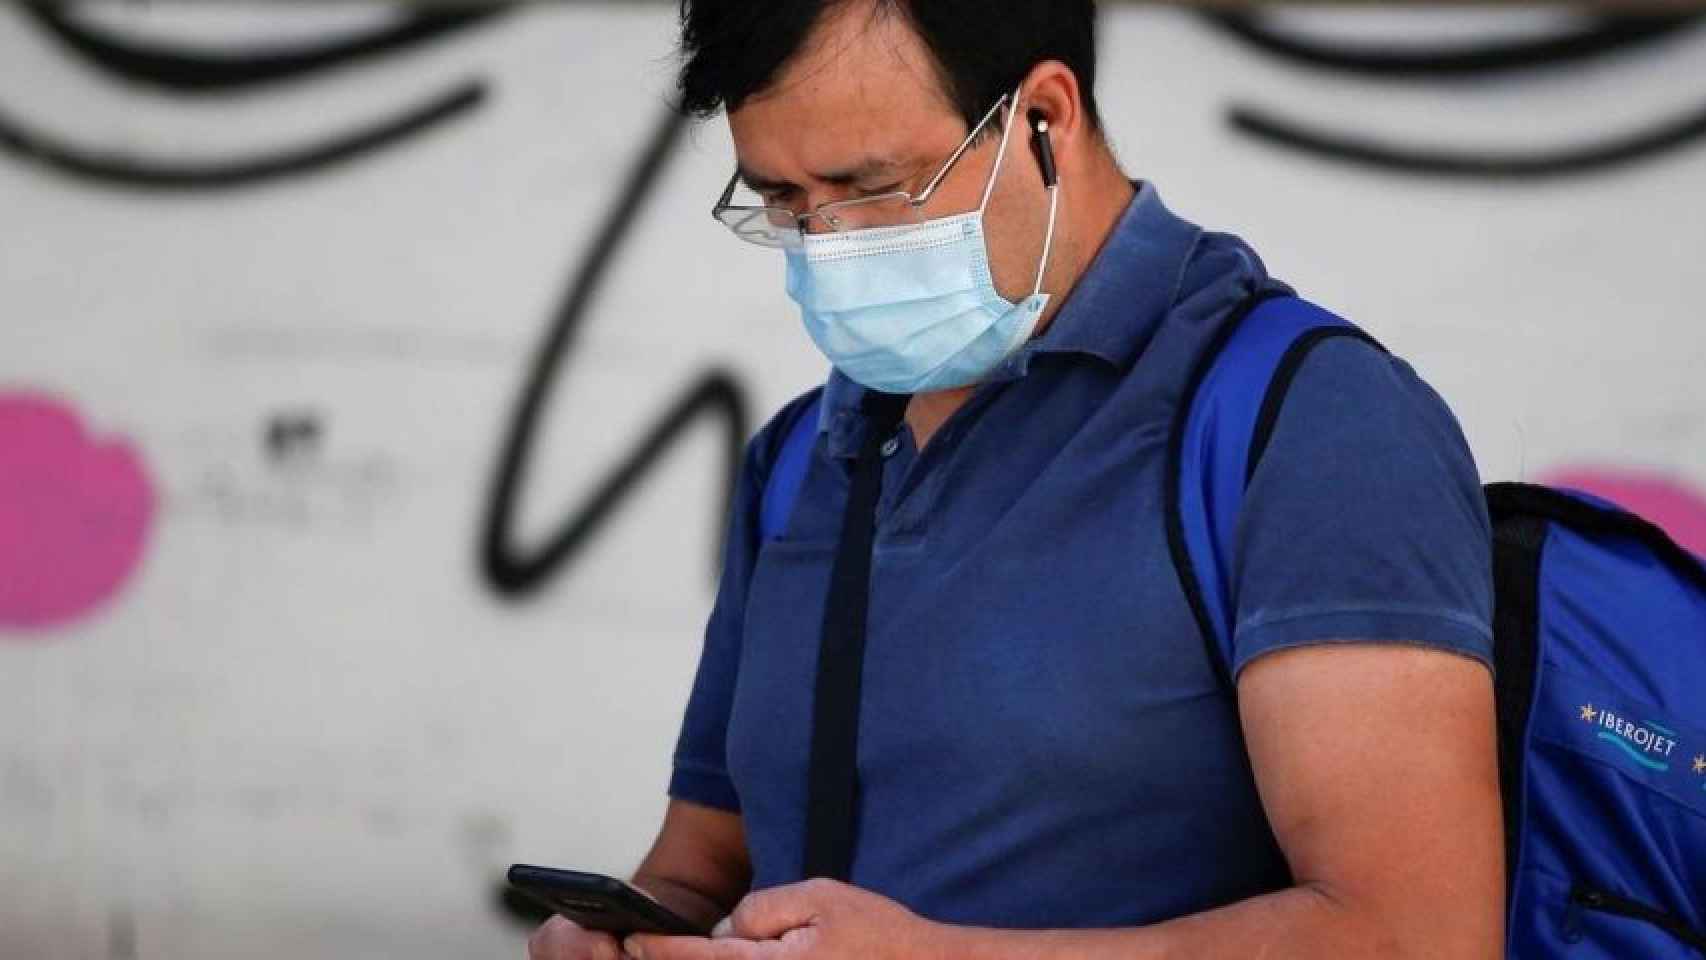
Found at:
(74, 514)
(1664, 500)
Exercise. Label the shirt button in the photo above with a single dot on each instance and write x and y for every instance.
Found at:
(891, 447)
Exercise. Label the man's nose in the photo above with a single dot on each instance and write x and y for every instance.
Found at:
(815, 222)
(813, 219)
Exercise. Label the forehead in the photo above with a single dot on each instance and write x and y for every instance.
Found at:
(863, 84)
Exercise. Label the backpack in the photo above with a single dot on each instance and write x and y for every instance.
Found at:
(1597, 611)
(1599, 658)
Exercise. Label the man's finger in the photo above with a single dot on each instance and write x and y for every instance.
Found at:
(768, 914)
(653, 947)
(559, 939)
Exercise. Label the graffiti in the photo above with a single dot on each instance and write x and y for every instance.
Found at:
(209, 73)
(194, 72)
(1666, 501)
(715, 394)
(293, 438)
(1601, 38)
(75, 514)
(1447, 162)
(120, 170)
(295, 483)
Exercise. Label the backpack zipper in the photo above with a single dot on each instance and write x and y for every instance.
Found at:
(1583, 897)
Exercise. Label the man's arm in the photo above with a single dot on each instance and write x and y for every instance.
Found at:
(698, 866)
(1377, 767)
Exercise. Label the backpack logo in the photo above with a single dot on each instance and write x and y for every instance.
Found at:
(1642, 743)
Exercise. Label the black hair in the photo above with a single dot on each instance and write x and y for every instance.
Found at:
(733, 49)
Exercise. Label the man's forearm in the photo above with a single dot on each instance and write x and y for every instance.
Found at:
(1302, 923)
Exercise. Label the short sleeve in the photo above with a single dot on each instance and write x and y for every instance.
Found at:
(701, 772)
(1364, 520)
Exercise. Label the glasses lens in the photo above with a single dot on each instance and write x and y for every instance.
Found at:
(766, 227)
(890, 210)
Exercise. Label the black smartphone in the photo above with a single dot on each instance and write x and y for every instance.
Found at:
(597, 902)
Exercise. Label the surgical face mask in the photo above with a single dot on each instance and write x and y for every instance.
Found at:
(913, 309)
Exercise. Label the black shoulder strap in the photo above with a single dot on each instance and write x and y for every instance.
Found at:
(1518, 541)
(1511, 499)
(1227, 415)
(841, 658)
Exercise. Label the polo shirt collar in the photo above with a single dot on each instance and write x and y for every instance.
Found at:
(1110, 314)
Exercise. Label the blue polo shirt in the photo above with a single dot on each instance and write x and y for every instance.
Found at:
(1043, 741)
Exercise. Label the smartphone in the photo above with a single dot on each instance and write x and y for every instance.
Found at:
(597, 902)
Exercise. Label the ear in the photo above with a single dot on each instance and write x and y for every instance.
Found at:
(1052, 91)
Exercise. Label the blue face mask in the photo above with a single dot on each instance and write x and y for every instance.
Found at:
(913, 309)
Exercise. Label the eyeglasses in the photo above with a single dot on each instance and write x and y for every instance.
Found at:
(769, 226)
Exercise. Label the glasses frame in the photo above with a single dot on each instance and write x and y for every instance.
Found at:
(831, 212)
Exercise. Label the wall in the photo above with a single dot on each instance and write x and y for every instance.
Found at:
(292, 665)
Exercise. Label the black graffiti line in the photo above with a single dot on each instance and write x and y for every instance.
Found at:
(1268, 127)
(192, 72)
(1603, 36)
(715, 394)
(121, 170)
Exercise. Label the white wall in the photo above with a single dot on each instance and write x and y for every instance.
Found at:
(304, 725)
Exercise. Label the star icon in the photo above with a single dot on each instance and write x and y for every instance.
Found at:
(1589, 713)
(1700, 763)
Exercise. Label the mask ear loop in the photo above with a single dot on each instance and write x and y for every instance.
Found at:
(1001, 155)
(1055, 191)
(1048, 238)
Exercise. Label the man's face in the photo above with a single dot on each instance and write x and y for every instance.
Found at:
(861, 112)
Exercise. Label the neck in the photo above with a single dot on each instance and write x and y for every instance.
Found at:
(1089, 212)
(1092, 209)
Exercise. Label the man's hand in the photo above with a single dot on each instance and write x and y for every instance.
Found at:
(560, 939)
(819, 919)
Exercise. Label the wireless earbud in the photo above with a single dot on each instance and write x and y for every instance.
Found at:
(1045, 149)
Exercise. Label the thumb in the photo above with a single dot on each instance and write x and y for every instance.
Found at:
(768, 914)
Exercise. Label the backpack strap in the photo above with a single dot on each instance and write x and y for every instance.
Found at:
(832, 778)
(1229, 410)
(788, 473)
(1590, 515)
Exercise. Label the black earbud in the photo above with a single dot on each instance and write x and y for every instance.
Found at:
(1045, 150)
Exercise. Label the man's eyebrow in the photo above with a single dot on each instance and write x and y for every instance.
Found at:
(866, 168)
(862, 170)
(759, 183)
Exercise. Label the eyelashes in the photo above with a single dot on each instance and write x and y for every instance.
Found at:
(1602, 37)
(203, 73)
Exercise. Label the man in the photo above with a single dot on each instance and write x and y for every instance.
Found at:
(1047, 763)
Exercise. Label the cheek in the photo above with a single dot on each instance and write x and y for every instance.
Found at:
(1015, 224)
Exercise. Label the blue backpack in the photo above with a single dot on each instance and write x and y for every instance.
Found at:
(1600, 665)
(1599, 649)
